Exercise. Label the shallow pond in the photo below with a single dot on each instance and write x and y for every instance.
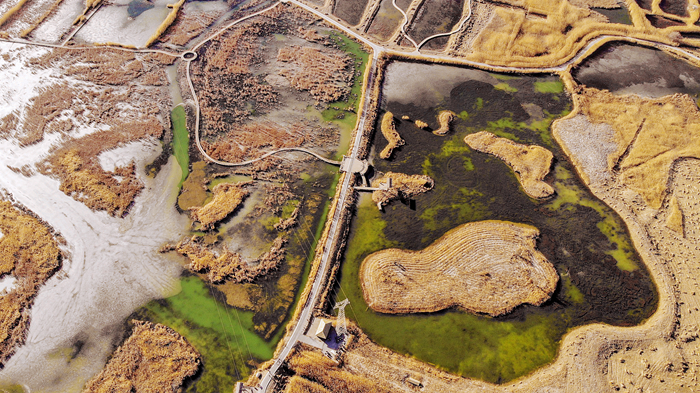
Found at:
(602, 277)
(631, 69)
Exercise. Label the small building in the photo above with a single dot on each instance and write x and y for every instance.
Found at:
(323, 327)
(414, 382)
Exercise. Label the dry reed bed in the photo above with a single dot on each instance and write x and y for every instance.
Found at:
(316, 369)
(226, 265)
(227, 198)
(530, 163)
(29, 253)
(154, 358)
(388, 128)
(326, 76)
(403, 187)
(483, 267)
(538, 33)
(650, 135)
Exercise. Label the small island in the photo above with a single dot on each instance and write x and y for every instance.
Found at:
(487, 267)
(530, 163)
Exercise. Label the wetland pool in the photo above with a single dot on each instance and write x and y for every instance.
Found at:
(602, 279)
(623, 68)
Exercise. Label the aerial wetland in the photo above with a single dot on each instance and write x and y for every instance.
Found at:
(280, 210)
(601, 277)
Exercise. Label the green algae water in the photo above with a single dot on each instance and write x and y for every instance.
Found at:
(181, 140)
(601, 276)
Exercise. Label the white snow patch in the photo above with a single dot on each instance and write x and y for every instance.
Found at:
(7, 284)
(123, 155)
(113, 24)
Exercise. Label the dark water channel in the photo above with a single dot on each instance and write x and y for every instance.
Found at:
(601, 276)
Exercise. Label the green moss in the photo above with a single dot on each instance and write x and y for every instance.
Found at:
(181, 140)
(569, 196)
(505, 87)
(553, 87)
(463, 115)
(479, 105)
(505, 77)
(571, 292)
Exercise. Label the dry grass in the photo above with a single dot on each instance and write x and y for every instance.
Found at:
(445, 118)
(530, 163)
(155, 358)
(651, 134)
(43, 110)
(227, 265)
(483, 267)
(323, 371)
(403, 187)
(30, 254)
(388, 128)
(99, 190)
(298, 384)
(326, 76)
(227, 198)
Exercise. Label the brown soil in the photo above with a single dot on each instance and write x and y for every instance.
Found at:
(29, 253)
(445, 118)
(483, 267)
(227, 265)
(194, 189)
(227, 198)
(326, 76)
(650, 134)
(530, 163)
(154, 358)
(388, 128)
(403, 187)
